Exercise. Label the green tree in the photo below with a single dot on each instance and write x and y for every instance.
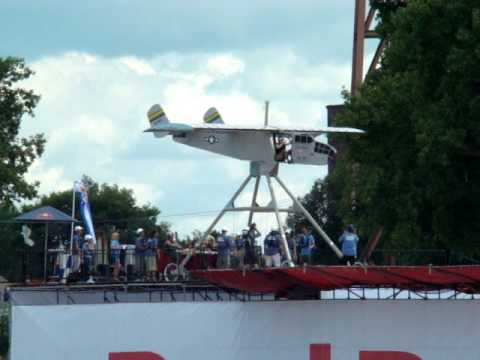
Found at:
(415, 171)
(16, 153)
(322, 205)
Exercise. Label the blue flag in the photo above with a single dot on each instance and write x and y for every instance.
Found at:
(81, 189)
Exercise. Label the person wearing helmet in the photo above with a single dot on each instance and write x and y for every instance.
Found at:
(272, 249)
(140, 252)
(349, 241)
(77, 243)
(88, 251)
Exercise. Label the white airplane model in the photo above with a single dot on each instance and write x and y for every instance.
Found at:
(265, 147)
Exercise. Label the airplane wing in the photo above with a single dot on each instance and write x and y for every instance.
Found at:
(172, 128)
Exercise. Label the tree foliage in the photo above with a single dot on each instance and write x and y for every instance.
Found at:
(16, 153)
(416, 170)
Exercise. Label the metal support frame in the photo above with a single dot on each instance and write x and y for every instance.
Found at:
(362, 31)
(279, 222)
(230, 207)
(254, 200)
(312, 221)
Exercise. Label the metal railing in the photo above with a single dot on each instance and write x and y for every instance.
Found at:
(129, 265)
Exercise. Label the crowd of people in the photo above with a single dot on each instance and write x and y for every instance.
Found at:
(146, 258)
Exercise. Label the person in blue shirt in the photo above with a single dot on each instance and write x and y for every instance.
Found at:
(271, 246)
(349, 241)
(306, 243)
(224, 247)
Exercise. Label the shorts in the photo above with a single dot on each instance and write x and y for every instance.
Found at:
(115, 259)
(272, 260)
(151, 262)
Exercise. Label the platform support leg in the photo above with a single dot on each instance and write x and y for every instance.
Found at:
(254, 200)
(312, 221)
(279, 222)
(228, 206)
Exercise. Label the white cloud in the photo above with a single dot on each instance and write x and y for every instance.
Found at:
(138, 66)
(93, 113)
(225, 65)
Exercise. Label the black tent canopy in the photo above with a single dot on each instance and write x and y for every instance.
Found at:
(45, 215)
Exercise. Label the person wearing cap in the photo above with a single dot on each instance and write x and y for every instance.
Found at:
(349, 241)
(140, 252)
(271, 246)
(224, 247)
(88, 251)
(250, 245)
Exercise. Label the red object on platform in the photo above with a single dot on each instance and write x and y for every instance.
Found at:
(461, 278)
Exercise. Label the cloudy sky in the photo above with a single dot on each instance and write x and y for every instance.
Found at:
(101, 64)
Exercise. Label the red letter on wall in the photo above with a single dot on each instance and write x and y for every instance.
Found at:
(320, 352)
(387, 355)
(134, 356)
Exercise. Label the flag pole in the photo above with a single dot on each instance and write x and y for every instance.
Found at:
(73, 217)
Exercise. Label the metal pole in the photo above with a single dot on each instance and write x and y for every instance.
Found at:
(266, 113)
(358, 45)
(309, 217)
(227, 206)
(73, 217)
(254, 200)
(279, 221)
(45, 254)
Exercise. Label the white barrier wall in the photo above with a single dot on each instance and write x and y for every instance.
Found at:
(343, 330)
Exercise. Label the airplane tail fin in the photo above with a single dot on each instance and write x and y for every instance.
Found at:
(156, 115)
(212, 116)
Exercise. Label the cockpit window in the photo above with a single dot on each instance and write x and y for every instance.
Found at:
(304, 139)
(323, 149)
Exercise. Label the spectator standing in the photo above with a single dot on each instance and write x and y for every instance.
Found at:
(349, 241)
(306, 244)
(77, 242)
(172, 246)
(250, 245)
(207, 250)
(115, 255)
(88, 252)
(224, 246)
(140, 252)
(240, 243)
(101, 254)
(151, 256)
(272, 249)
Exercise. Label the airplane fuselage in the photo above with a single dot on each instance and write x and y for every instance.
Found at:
(256, 146)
